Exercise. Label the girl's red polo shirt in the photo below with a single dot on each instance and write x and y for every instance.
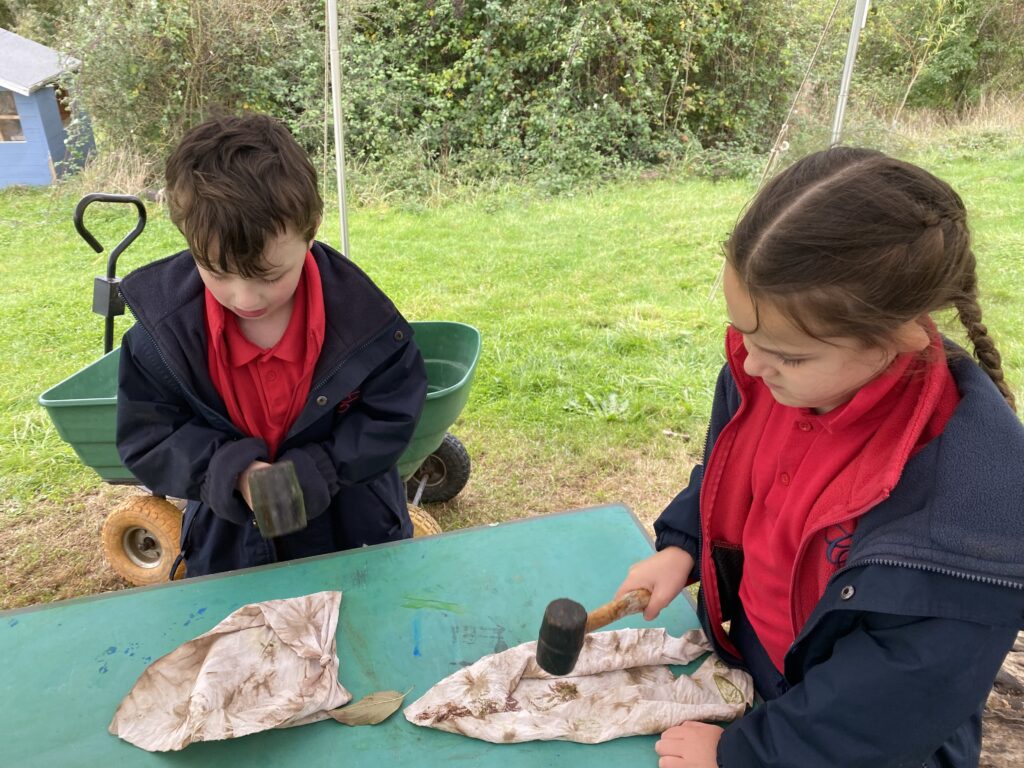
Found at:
(798, 455)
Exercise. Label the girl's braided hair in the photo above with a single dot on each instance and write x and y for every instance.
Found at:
(851, 242)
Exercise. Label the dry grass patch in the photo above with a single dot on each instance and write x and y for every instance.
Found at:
(644, 479)
(52, 551)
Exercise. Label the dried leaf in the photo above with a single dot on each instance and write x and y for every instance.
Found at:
(370, 710)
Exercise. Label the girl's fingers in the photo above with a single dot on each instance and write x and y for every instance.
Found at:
(689, 745)
(669, 747)
(676, 731)
(655, 605)
(628, 586)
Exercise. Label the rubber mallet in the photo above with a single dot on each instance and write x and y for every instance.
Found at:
(565, 623)
(277, 501)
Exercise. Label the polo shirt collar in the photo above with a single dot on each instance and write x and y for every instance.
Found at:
(225, 331)
(868, 397)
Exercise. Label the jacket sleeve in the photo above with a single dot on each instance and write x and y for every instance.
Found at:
(170, 448)
(679, 524)
(894, 689)
(372, 435)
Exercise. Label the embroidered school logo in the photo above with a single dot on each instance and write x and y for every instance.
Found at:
(837, 545)
(346, 403)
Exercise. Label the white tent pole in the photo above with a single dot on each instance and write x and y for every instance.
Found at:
(860, 18)
(339, 135)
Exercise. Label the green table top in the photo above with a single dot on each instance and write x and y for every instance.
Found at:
(412, 613)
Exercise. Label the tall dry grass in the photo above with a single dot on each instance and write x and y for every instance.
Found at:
(993, 114)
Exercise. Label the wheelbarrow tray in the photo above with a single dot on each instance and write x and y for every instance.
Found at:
(83, 407)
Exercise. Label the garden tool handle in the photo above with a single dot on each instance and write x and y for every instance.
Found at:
(106, 197)
(106, 296)
(631, 602)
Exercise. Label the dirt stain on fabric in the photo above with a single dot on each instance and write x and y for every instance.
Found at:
(450, 711)
(565, 691)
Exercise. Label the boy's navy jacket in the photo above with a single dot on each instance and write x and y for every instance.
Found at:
(895, 663)
(174, 433)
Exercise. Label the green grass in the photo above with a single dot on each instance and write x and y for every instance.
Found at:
(598, 330)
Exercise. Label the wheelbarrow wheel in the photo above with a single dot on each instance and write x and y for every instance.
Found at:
(140, 540)
(446, 472)
(423, 523)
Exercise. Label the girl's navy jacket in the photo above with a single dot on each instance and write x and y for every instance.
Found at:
(174, 433)
(895, 663)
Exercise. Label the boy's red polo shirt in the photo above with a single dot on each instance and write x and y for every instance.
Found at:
(265, 389)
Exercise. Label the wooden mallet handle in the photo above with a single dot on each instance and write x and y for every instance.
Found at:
(631, 602)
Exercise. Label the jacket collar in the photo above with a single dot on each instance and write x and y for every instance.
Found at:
(167, 299)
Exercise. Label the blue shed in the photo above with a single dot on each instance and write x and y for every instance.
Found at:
(33, 120)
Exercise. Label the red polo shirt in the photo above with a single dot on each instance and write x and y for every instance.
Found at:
(265, 389)
(799, 453)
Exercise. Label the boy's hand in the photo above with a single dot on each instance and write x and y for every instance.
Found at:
(690, 745)
(243, 480)
(664, 574)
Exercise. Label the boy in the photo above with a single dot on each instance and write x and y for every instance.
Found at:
(258, 345)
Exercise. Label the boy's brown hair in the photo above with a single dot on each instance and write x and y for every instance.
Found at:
(851, 242)
(234, 182)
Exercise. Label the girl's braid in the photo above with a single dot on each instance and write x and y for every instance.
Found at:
(984, 347)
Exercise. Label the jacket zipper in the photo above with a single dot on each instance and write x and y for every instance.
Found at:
(700, 507)
(341, 364)
(931, 569)
(895, 563)
(184, 390)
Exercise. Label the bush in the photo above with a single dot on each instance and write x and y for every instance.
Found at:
(564, 90)
(152, 69)
(940, 53)
(552, 90)
(542, 88)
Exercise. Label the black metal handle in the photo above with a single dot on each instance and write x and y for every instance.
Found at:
(105, 197)
(106, 298)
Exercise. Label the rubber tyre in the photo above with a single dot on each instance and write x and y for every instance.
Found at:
(423, 523)
(141, 540)
(447, 472)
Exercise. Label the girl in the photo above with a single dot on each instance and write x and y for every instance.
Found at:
(857, 518)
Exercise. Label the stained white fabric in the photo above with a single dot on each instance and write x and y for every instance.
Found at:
(267, 665)
(621, 686)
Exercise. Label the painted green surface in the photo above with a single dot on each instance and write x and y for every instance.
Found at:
(412, 613)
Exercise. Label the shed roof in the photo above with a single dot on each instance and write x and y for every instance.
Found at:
(26, 66)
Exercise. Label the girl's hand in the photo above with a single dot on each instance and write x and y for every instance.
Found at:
(690, 745)
(664, 574)
(243, 481)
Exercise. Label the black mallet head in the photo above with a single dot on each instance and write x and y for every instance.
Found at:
(566, 622)
(560, 639)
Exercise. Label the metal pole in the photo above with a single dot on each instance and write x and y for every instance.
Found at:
(860, 18)
(339, 136)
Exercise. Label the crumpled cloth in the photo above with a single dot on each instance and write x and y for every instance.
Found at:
(619, 687)
(267, 665)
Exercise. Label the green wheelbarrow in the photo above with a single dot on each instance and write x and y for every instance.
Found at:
(140, 538)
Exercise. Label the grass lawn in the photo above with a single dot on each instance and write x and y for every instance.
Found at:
(601, 341)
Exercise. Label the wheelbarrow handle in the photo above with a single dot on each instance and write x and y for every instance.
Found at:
(106, 297)
(105, 197)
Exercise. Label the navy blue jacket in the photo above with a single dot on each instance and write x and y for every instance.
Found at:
(175, 435)
(895, 663)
